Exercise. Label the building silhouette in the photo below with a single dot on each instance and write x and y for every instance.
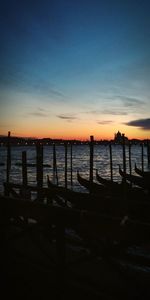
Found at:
(119, 138)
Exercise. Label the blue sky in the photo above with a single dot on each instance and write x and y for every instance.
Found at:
(75, 67)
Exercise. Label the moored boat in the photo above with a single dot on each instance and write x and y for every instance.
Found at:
(137, 180)
(145, 174)
(112, 185)
(91, 186)
(107, 182)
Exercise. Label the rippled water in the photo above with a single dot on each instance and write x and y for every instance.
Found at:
(80, 161)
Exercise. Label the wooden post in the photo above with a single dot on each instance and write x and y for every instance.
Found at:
(91, 161)
(39, 169)
(111, 167)
(8, 166)
(124, 153)
(55, 175)
(25, 193)
(125, 205)
(66, 148)
(24, 169)
(148, 152)
(71, 163)
(130, 164)
(142, 156)
(8, 158)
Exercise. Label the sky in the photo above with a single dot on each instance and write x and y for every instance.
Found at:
(71, 69)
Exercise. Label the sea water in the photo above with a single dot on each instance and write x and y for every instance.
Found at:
(80, 162)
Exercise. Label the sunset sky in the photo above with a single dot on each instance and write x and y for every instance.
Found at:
(71, 69)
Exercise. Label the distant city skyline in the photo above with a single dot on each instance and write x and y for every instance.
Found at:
(118, 137)
(71, 69)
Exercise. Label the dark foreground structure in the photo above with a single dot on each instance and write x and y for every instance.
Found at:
(42, 258)
(57, 243)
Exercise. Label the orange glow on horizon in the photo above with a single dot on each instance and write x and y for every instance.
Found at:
(131, 133)
(83, 131)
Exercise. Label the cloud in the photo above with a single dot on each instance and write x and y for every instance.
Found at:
(92, 112)
(27, 82)
(38, 114)
(142, 123)
(67, 117)
(56, 93)
(104, 122)
(44, 88)
(130, 101)
(41, 109)
(113, 112)
(106, 112)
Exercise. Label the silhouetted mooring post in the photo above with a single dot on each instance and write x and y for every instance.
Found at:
(66, 150)
(142, 156)
(111, 166)
(130, 165)
(91, 161)
(148, 152)
(8, 157)
(24, 169)
(71, 163)
(124, 153)
(25, 193)
(55, 174)
(39, 169)
(125, 204)
(8, 165)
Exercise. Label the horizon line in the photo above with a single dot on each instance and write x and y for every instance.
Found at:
(69, 139)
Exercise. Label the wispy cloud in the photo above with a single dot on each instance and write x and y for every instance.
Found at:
(106, 112)
(114, 112)
(55, 92)
(67, 117)
(28, 83)
(38, 114)
(104, 122)
(41, 109)
(142, 123)
(130, 101)
(92, 112)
